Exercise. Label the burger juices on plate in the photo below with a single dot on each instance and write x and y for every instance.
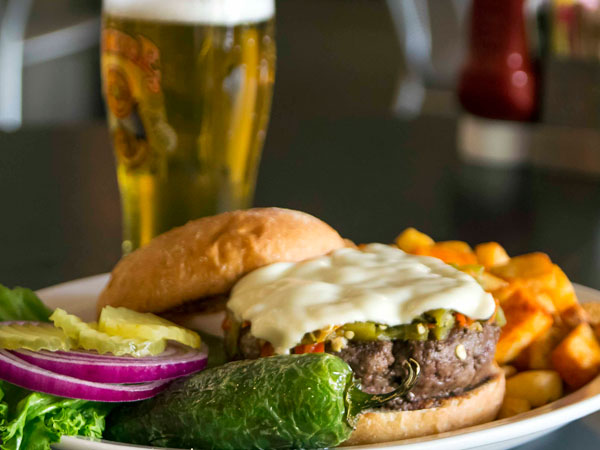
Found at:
(293, 285)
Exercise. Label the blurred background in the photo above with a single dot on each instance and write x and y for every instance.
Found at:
(468, 119)
(475, 120)
(359, 57)
(49, 59)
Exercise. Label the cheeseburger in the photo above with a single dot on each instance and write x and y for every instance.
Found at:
(291, 284)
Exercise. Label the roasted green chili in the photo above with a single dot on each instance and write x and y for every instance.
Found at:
(284, 401)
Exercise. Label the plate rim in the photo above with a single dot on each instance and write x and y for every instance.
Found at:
(571, 407)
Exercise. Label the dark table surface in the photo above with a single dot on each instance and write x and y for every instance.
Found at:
(369, 177)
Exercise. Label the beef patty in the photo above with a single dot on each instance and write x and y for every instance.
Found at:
(449, 367)
(446, 369)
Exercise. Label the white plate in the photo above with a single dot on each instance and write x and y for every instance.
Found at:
(79, 297)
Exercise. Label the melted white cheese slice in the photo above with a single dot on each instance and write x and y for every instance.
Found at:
(379, 283)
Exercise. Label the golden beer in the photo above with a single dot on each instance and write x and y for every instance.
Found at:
(188, 95)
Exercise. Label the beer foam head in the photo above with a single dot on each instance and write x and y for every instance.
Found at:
(213, 12)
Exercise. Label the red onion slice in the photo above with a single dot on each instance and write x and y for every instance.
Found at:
(176, 361)
(19, 372)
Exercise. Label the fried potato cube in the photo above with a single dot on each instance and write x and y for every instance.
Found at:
(574, 315)
(539, 353)
(532, 266)
(491, 254)
(538, 387)
(451, 252)
(577, 357)
(526, 320)
(537, 273)
(511, 406)
(545, 302)
(521, 362)
(410, 239)
(491, 283)
(505, 292)
(563, 294)
(509, 371)
(459, 246)
(593, 311)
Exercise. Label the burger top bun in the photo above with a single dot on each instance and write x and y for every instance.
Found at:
(207, 256)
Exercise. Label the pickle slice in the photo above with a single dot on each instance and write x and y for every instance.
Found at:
(89, 338)
(35, 337)
(132, 324)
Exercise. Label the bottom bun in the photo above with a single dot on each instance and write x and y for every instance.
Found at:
(474, 407)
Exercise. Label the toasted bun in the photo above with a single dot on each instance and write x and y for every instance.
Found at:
(475, 407)
(207, 256)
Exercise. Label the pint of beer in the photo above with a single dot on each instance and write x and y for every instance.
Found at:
(188, 86)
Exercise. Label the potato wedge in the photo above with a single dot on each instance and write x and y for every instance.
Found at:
(511, 406)
(410, 239)
(538, 387)
(577, 357)
(491, 254)
(526, 321)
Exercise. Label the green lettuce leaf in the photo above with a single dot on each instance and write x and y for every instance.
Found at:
(32, 420)
(21, 304)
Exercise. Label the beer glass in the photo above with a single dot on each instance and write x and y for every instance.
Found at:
(187, 86)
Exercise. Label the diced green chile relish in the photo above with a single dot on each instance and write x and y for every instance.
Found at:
(433, 325)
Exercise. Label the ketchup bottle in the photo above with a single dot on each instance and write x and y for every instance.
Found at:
(498, 80)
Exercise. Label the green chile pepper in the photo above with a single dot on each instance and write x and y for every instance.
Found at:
(284, 401)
